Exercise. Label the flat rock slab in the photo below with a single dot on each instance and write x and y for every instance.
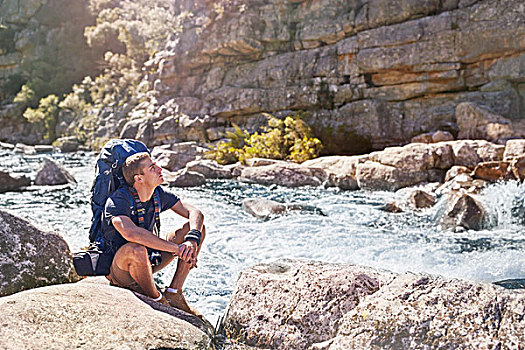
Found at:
(91, 316)
(295, 304)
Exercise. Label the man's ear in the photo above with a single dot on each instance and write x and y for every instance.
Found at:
(138, 178)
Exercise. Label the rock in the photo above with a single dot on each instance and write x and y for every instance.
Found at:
(465, 211)
(392, 207)
(44, 149)
(422, 138)
(31, 258)
(433, 137)
(210, 169)
(423, 311)
(416, 156)
(375, 176)
(421, 199)
(289, 174)
(365, 75)
(455, 171)
(476, 122)
(341, 170)
(10, 183)
(235, 169)
(184, 178)
(517, 167)
(263, 161)
(291, 304)
(53, 174)
(67, 144)
(471, 152)
(440, 136)
(95, 315)
(176, 156)
(263, 208)
(398, 167)
(493, 171)
(8, 146)
(462, 182)
(25, 149)
(514, 149)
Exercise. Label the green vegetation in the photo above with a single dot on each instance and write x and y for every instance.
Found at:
(129, 32)
(46, 114)
(288, 139)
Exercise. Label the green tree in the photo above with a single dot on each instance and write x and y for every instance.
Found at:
(46, 114)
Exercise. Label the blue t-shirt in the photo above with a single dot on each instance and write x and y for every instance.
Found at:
(120, 203)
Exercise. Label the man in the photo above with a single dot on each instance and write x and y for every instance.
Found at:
(130, 226)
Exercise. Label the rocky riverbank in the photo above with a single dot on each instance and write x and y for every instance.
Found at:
(286, 304)
(89, 314)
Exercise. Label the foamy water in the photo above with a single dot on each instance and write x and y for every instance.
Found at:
(355, 229)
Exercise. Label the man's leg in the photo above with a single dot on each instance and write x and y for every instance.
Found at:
(183, 268)
(176, 299)
(131, 265)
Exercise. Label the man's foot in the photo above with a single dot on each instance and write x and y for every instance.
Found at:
(178, 301)
(163, 300)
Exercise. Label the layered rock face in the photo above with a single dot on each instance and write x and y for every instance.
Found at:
(294, 304)
(40, 41)
(366, 74)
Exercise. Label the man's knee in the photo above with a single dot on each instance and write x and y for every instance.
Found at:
(135, 252)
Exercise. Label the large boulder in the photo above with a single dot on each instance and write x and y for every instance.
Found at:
(30, 257)
(471, 152)
(292, 304)
(175, 157)
(184, 178)
(417, 311)
(514, 149)
(210, 169)
(341, 170)
(12, 183)
(464, 210)
(95, 316)
(493, 171)
(311, 305)
(398, 167)
(53, 174)
(476, 122)
(284, 174)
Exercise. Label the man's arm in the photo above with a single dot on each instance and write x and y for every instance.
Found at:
(133, 233)
(194, 215)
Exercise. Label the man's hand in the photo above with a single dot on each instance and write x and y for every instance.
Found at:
(188, 253)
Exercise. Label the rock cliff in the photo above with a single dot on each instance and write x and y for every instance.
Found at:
(42, 42)
(365, 73)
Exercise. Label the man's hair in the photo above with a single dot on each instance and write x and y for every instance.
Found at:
(132, 166)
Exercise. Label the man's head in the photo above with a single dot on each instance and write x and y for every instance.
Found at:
(140, 168)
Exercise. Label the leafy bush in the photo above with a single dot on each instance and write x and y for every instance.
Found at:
(288, 139)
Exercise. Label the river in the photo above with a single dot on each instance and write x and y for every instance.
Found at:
(355, 229)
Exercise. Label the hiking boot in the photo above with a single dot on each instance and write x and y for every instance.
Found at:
(178, 301)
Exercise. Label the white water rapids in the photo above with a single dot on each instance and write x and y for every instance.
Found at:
(355, 229)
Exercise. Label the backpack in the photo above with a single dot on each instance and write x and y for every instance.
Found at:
(109, 178)
(95, 261)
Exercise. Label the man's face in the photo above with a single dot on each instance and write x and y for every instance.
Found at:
(151, 173)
